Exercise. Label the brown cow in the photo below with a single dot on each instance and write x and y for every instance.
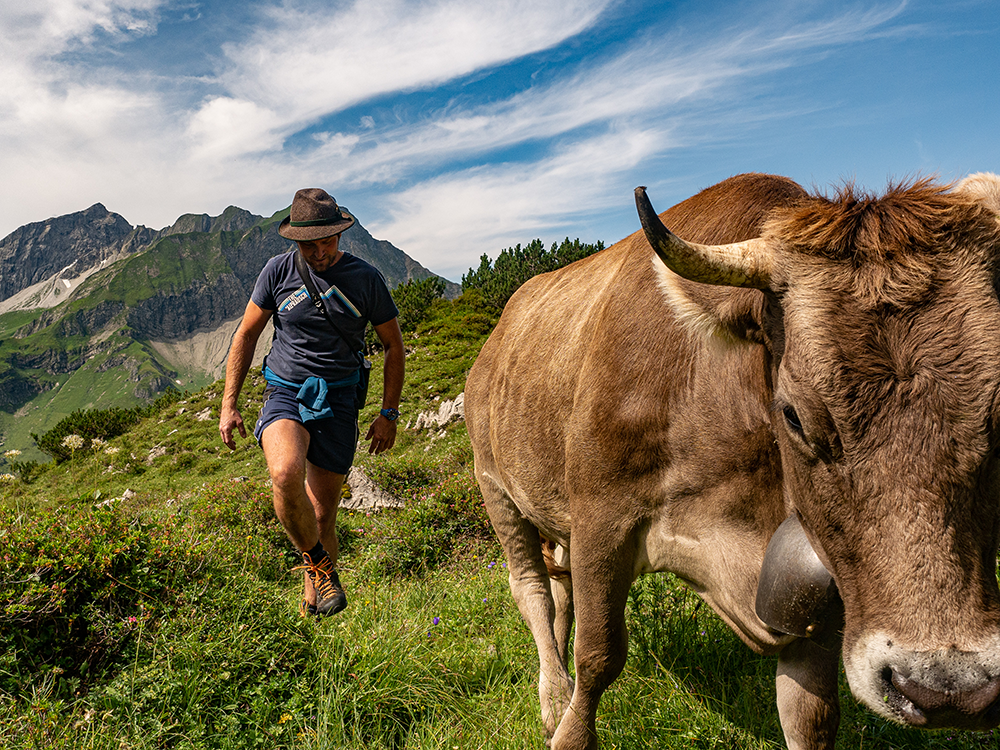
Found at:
(838, 364)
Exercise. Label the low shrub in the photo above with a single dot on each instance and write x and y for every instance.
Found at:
(238, 517)
(26, 471)
(103, 424)
(414, 299)
(80, 581)
(437, 516)
(77, 586)
(499, 279)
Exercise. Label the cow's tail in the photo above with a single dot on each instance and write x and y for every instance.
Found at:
(549, 555)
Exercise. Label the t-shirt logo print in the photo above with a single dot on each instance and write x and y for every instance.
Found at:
(340, 301)
(293, 299)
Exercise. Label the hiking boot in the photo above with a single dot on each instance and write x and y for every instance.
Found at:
(330, 596)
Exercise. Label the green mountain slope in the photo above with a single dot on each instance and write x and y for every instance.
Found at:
(124, 331)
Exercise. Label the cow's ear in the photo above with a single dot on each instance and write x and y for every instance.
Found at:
(712, 313)
(983, 187)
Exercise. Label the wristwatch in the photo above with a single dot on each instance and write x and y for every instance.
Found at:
(391, 414)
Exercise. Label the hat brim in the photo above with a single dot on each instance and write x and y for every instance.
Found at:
(306, 234)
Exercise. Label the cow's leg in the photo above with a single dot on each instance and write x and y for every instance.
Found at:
(808, 704)
(600, 588)
(562, 597)
(555, 686)
(533, 593)
(556, 558)
(530, 585)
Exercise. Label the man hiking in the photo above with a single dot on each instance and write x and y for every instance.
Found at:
(321, 303)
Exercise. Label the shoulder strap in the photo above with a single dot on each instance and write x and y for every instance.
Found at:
(315, 297)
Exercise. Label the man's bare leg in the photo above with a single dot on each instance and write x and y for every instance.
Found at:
(307, 510)
(323, 489)
(285, 443)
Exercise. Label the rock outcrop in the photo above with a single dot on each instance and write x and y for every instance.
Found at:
(366, 495)
(62, 245)
(201, 305)
(448, 412)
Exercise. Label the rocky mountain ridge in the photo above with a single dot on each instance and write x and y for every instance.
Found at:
(65, 248)
(96, 313)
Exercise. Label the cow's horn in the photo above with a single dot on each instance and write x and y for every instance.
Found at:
(743, 264)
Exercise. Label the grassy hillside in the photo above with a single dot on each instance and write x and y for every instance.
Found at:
(83, 353)
(148, 603)
(123, 374)
(169, 266)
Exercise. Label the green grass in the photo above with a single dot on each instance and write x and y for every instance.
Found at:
(437, 661)
(168, 619)
(11, 321)
(170, 265)
(117, 374)
(191, 443)
(167, 266)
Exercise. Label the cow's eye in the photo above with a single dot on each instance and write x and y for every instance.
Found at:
(792, 419)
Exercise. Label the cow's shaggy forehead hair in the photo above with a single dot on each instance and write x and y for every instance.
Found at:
(890, 302)
(888, 250)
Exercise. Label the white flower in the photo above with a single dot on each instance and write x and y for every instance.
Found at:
(7, 478)
(73, 442)
(97, 443)
(11, 454)
(111, 450)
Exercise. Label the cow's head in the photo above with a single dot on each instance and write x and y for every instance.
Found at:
(883, 321)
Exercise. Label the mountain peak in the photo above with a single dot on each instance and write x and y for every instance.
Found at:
(39, 250)
(233, 219)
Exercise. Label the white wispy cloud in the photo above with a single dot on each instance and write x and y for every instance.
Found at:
(50, 26)
(77, 131)
(449, 221)
(637, 106)
(63, 118)
(321, 63)
(225, 127)
(642, 84)
(304, 63)
(68, 130)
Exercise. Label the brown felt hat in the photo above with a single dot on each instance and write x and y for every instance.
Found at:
(314, 215)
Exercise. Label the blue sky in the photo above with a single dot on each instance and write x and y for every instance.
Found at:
(456, 128)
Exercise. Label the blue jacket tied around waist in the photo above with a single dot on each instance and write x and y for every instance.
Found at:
(311, 394)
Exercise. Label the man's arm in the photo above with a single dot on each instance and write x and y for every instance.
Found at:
(240, 356)
(382, 433)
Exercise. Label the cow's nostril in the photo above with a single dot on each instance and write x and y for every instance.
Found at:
(921, 696)
(979, 701)
(980, 704)
(895, 696)
(991, 718)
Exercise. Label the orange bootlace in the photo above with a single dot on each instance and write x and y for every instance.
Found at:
(321, 574)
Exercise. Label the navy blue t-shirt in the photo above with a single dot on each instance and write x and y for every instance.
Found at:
(304, 343)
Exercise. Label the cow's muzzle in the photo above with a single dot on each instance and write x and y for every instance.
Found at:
(976, 706)
(795, 592)
(929, 689)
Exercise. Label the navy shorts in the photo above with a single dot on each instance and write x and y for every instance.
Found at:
(331, 441)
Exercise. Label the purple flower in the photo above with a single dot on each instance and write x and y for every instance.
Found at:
(437, 620)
